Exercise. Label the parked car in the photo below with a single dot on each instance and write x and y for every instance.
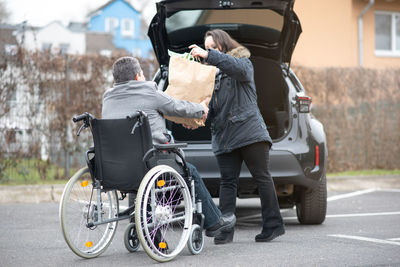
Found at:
(270, 30)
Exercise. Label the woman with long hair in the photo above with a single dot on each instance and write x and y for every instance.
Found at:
(238, 131)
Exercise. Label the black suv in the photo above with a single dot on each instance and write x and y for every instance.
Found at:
(270, 30)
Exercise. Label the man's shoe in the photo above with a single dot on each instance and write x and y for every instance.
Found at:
(269, 236)
(224, 237)
(225, 222)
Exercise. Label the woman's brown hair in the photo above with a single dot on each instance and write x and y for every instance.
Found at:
(222, 39)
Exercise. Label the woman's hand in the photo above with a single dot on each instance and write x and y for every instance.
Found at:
(197, 52)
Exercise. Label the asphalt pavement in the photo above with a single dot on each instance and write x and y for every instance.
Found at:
(361, 229)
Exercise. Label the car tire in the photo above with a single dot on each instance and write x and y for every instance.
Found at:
(311, 209)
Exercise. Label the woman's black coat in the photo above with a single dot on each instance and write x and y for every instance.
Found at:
(235, 118)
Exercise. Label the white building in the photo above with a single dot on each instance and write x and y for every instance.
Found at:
(16, 118)
(54, 37)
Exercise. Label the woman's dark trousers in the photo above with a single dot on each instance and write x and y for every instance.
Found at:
(256, 157)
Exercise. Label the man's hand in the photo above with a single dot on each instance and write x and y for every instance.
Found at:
(190, 127)
(197, 52)
(204, 103)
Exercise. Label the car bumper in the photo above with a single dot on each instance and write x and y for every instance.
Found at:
(285, 168)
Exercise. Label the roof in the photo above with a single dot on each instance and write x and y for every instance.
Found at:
(8, 26)
(58, 22)
(77, 26)
(92, 13)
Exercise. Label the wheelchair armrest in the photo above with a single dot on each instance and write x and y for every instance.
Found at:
(169, 146)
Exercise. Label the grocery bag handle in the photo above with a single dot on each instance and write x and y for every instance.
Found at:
(190, 57)
(185, 55)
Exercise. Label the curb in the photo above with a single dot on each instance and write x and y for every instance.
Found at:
(52, 193)
(353, 183)
(31, 193)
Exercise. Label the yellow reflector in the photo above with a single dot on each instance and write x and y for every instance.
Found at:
(84, 183)
(161, 183)
(162, 245)
(89, 244)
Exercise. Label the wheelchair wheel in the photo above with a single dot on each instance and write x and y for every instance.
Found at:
(131, 239)
(78, 207)
(195, 243)
(163, 213)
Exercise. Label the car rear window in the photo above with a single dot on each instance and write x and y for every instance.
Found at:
(189, 18)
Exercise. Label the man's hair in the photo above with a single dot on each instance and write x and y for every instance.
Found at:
(125, 69)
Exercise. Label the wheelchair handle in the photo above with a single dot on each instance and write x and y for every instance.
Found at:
(83, 116)
(86, 117)
(138, 113)
(78, 118)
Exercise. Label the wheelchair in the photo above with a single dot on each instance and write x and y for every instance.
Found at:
(165, 215)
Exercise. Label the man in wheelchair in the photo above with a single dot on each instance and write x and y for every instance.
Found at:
(131, 92)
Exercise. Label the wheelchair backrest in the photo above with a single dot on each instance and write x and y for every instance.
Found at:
(120, 145)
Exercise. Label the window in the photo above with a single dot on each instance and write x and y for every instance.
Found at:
(64, 48)
(111, 25)
(188, 18)
(11, 99)
(127, 29)
(387, 33)
(46, 47)
(106, 52)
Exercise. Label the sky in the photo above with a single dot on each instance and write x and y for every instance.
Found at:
(42, 12)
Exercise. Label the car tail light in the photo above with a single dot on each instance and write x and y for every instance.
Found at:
(304, 104)
(316, 155)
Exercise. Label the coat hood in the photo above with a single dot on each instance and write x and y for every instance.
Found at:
(239, 52)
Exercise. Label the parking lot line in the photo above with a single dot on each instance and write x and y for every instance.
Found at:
(354, 215)
(352, 194)
(363, 214)
(368, 239)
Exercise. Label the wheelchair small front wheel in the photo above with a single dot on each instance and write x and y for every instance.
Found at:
(80, 211)
(131, 239)
(195, 243)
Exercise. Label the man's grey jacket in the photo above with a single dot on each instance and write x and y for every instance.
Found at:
(126, 98)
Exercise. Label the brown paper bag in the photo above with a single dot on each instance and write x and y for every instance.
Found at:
(192, 81)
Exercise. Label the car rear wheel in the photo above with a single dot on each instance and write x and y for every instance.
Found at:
(311, 209)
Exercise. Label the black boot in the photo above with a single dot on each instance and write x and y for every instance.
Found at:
(269, 235)
(226, 222)
(224, 237)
